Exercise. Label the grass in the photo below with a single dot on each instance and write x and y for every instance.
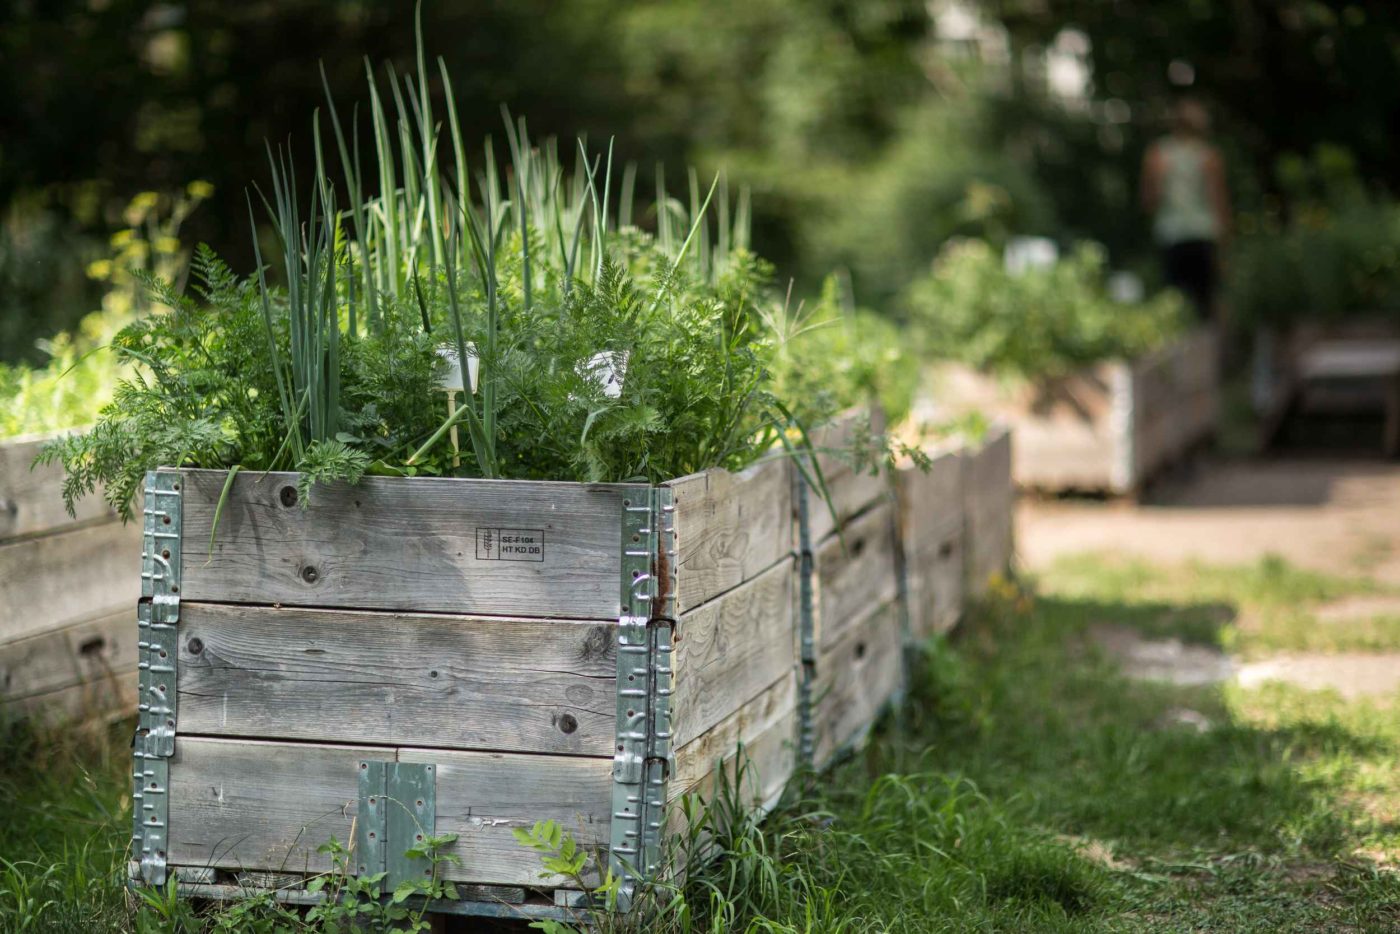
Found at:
(1258, 609)
(1027, 786)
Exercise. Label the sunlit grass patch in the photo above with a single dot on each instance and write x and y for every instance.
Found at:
(1253, 609)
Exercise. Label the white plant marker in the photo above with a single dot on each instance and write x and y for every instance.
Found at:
(450, 382)
(608, 369)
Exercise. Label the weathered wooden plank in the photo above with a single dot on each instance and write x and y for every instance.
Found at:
(422, 544)
(357, 677)
(990, 500)
(931, 541)
(483, 798)
(930, 501)
(856, 677)
(730, 527)
(31, 498)
(741, 766)
(108, 696)
(51, 581)
(730, 649)
(936, 580)
(243, 804)
(766, 727)
(851, 491)
(854, 578)
(81, 652)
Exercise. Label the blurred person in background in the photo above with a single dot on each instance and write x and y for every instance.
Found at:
(1184, 192)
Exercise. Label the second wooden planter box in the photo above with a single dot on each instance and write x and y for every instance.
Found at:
(1110, 427)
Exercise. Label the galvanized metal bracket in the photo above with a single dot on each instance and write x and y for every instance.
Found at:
(643, 761)
(398, 813)
(157, 621)
(806, 626)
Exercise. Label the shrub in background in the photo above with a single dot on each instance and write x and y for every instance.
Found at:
(1042, 322)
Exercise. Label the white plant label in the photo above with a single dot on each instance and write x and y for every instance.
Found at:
(451, 380)
(607, 369)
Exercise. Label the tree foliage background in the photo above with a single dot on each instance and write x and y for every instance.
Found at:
(869, 130)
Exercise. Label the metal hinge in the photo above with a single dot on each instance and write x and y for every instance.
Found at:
(642, 762)
(157, 621)
(398, 812)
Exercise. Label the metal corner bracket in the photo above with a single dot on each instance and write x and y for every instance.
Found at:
(642, 761)
(806, 626)
(157, 621)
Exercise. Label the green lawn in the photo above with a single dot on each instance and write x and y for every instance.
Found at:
(1027, 786)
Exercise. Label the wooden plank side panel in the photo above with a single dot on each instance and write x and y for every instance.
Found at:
(852, 581)
(730, 649)
(730, 528)
(485, 798)
(856, 677)
(356, 677)
(929, 500)
(31, 498)
(937, 578)
(930, 520)
(990, 502)
(244, 804)
(422, 544)
(76, 654)
(851, 491)
(47, 583)
(764, 728)
(107, 696)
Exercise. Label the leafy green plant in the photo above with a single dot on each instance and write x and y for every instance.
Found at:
(351, 901)
(81, 376)
(536, 278)
(1041, 322)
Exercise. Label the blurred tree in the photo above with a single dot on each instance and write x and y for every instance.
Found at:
(871, 130)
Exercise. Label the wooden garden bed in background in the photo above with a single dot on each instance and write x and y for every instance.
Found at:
(68, 588)
(1109, 428)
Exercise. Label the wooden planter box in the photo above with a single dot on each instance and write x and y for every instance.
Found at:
(67, 585)
(500, 652)
(1110, 427)
(932, 541)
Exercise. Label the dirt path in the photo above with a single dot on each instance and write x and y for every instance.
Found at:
(1332, 516)
(1336, 517)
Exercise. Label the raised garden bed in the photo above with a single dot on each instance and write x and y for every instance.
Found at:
(67, 583)
(536, 651)
(505, 652)
(1111, 427)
